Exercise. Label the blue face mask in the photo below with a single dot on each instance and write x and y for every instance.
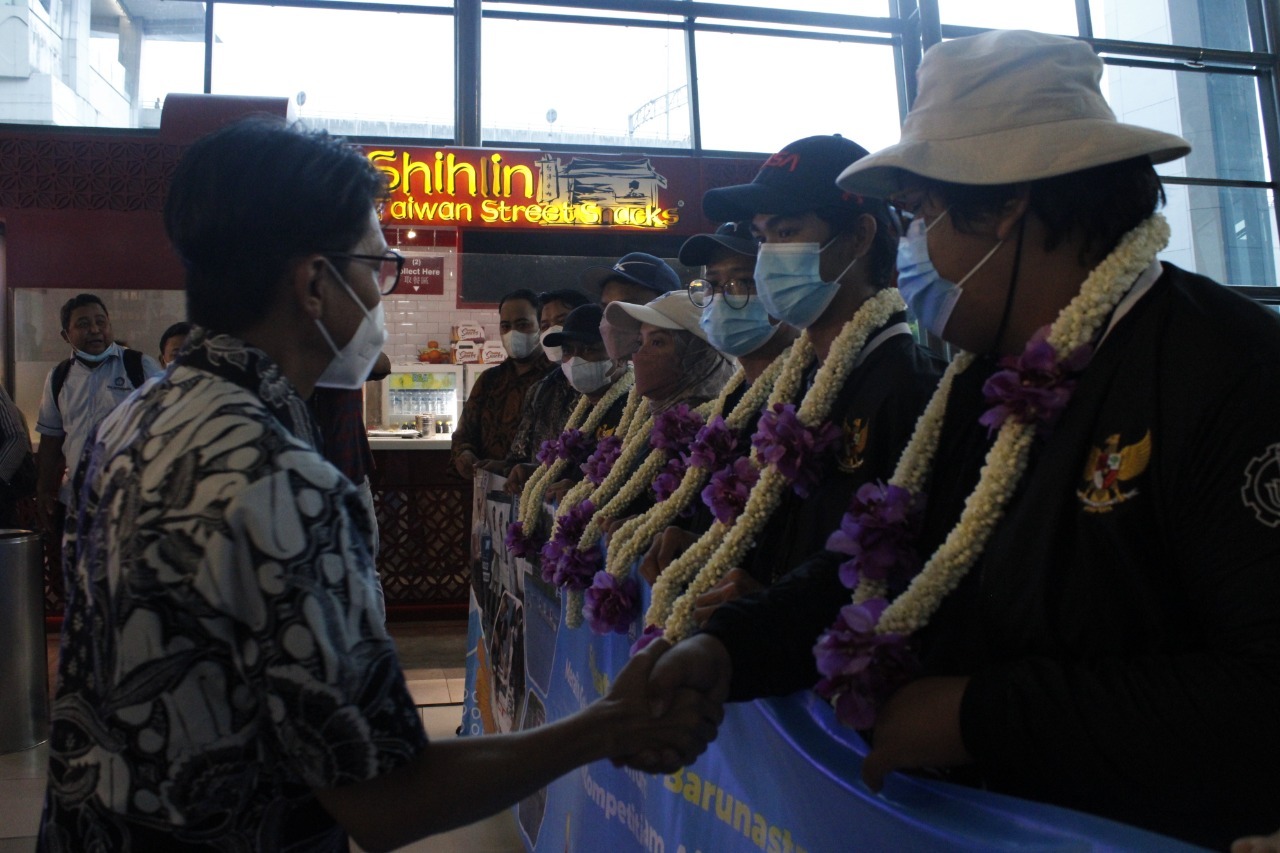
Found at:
(94, 359)
(790, 285)
(930, 297)
(736, 331)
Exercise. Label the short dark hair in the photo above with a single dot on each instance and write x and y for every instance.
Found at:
(1099, 205)
(79, 301)
(181, 329)
(882, 259)
(566, 296)
(252, 197)
(523, 293)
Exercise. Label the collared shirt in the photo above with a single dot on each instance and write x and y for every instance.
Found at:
(15, 443)
(339, 414)
(87, 396)
(223, 650)
(492, 412)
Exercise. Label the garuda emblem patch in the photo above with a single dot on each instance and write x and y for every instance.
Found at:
(852, 444)
(1109, 468)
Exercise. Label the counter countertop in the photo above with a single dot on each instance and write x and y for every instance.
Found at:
(432, 442)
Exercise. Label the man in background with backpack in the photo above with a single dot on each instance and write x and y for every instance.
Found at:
(78, 393)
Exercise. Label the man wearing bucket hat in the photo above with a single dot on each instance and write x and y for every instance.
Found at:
(1106, 633)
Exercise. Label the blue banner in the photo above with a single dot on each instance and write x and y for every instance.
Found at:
(782, 776)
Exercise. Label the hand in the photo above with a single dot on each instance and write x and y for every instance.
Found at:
(695, 669)
(1257, 844)
(918, 727)
(465, 464)
(518, 476)
(556, 491)
(666, 546)
(735, 584)
(659, 733)
(609, 526)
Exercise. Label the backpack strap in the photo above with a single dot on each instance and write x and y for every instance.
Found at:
(58, 380)
(133, 367)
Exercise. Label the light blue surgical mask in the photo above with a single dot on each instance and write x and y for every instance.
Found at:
(930, 297)
(95, 359)
(736, 331)
(790, 285)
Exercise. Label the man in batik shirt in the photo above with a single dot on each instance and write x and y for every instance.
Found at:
(225, 680)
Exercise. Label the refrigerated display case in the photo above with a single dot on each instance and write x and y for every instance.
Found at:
(471, 372)
(430, 390)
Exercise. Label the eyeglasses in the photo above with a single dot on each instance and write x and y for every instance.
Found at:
(736, 293)
(386, 267)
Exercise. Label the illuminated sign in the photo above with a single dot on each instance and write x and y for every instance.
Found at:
(463, 187)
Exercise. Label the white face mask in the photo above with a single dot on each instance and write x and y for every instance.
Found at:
(351, 364)
(520, 344)
(95, 359)
(553, 354)
(586, 377)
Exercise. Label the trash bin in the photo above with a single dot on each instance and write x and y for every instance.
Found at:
(24, 667)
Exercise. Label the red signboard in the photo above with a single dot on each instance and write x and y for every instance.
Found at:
(486, 188)
(423, 275)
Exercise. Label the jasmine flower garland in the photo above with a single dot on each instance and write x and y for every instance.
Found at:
(634, 536)
(521, 535)
(865, 655)
(811, 415)
(794, 360)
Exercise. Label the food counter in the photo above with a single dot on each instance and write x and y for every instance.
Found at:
(424, 522)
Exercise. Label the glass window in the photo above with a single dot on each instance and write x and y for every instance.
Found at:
(819, 87)
(1219, 114)
(1225, 233)
(526, 11)
(867, 8)
(1046, 16)
(363, 74)
(1219, 24)
(584, 84)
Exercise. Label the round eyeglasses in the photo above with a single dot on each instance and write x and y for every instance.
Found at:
(735, 293)
(386, 267)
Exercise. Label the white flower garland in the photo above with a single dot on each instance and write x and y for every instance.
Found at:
(1077, 324)
(536, 486)
(766, 493)
(636, 533)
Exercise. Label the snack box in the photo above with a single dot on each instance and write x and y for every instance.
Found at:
(466, 352)
(492, 352)
(467, 332)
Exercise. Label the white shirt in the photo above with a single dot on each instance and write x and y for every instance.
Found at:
(86, 398)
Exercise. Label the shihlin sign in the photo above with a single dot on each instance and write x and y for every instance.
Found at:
(470, 187)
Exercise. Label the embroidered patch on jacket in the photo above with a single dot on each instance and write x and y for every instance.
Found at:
(852, 445)
(1261, 491)
(1109, 469)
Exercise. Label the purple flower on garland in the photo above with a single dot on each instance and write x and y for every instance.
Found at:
(860, 668)
(714, 445)
(1034, 385)
(518, 543)
(729, 489)
(669, 479)
(574, 447)
(791, 447)
(877, 533)
(650, 633)
(563, 564)
(548, 451)
(674, 429)
(599, 463)
(611, 605)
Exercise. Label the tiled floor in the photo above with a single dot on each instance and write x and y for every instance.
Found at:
(433, 655)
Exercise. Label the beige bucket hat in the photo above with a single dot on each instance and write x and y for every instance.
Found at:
(1004, 107)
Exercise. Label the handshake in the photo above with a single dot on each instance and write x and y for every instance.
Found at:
(664, 706)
